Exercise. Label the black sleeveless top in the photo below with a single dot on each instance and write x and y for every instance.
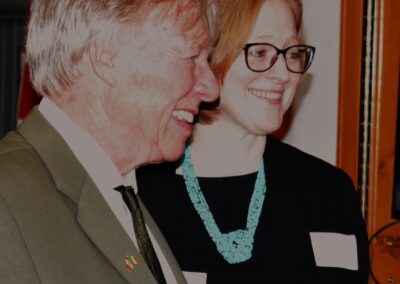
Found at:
(304, 195)
(228, 199)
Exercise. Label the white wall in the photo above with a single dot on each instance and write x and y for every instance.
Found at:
(314, 124)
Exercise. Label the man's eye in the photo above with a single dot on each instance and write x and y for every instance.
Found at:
(190, 55)
(209, 54)
(194, 57)
(191, 59)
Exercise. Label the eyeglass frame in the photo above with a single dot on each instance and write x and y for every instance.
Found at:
(278, 52)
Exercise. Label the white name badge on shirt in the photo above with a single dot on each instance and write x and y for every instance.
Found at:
(195, 277)
(334, 250)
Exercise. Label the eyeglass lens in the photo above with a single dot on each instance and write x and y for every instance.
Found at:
(261, 57)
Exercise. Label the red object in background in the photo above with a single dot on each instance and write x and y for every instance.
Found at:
(28, 98)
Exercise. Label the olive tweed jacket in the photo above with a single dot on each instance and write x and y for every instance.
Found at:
(55, 226)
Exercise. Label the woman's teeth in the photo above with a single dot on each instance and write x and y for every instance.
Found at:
(183, 115)
(265, 94)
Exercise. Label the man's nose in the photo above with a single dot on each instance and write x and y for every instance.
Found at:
(207, 85)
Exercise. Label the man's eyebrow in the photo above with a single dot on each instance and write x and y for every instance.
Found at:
(205, 43)
(197, 45)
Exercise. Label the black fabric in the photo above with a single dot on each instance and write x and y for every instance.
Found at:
(304, 194)
(142, 237)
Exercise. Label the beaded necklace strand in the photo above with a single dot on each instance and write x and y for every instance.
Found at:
(235, 246)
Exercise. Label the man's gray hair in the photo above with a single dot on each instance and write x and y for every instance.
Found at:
(60, 32)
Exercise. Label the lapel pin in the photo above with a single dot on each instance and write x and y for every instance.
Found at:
(131, 262)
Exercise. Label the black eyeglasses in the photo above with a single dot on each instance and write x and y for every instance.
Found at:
(261, 57)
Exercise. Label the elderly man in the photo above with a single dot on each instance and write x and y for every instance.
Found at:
(122, 81)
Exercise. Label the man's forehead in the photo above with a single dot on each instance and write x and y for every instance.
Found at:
(198, 36)
(169, 33)
(188, 24)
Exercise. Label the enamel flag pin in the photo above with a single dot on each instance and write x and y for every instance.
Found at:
(131, 262)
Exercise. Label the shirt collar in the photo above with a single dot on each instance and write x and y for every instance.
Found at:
(93, 158)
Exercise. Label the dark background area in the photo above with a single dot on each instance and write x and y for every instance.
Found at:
(13, 15)
(13, 5)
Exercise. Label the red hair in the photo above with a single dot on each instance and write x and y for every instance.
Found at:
(237, 18)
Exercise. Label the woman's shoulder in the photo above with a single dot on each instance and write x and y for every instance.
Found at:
(291, 157)
(291, 163)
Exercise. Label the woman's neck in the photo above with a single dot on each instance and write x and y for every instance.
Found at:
(220, 150)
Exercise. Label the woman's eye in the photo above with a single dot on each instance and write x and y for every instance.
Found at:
(295, 55)
(258, 53)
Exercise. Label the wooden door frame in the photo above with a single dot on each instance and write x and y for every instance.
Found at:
(349, 87)
(383, 116)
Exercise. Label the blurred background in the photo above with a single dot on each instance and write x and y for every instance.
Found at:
(13, 14)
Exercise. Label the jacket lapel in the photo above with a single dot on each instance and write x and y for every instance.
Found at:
(93, 214)
(100, 224)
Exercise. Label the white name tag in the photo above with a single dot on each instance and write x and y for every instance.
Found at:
(195, 277)
(334, 250)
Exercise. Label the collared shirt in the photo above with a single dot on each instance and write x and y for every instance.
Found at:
(103, 172)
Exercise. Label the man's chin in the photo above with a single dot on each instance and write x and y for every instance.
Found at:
(168, 156)
(174, 154)
(173, 158)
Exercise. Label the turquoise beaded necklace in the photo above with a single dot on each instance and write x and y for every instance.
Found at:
(236, 246)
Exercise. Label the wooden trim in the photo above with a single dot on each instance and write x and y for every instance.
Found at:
(349, 87)
(383, 136)
(384, 259)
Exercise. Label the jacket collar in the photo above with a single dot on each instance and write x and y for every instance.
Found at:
(93, 214)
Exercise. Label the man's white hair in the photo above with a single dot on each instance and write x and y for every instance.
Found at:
(60, 32)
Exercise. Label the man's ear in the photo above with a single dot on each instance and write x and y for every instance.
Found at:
(102, 62)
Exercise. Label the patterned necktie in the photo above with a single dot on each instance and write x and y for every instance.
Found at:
(142, 237)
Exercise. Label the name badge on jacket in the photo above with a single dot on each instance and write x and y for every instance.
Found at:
(334, 250)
